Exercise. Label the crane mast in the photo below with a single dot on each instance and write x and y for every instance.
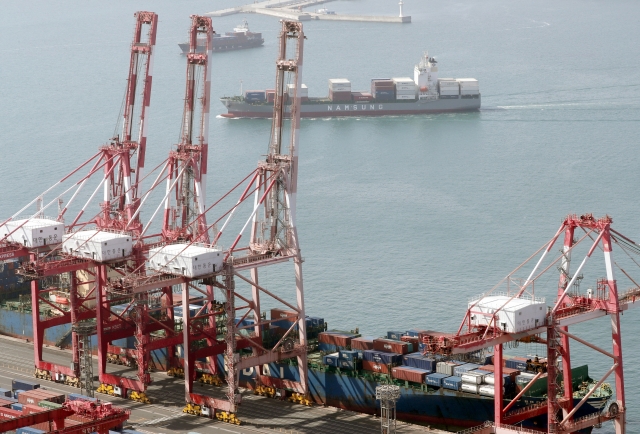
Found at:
(124, 155)
(184, 217)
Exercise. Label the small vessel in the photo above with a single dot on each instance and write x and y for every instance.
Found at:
(239, 39)
(325, 11)
(423, 94)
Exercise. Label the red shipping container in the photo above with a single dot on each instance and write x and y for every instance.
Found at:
(271, 95)
(375, 367)
(413, 340)
(281, 314)
(505, 371)
(29, 409)
(407, 374)
(5, 403)
(361, 344)
(334, 339)
(340, 96)
(390, 346)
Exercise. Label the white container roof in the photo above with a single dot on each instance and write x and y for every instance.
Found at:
(34, 223)
(97, 235)
(339, 81)
(186, 250)
(497, 301)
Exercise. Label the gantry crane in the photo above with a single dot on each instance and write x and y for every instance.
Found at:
(485, 326)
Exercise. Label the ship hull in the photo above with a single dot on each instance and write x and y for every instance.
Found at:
(443, 408)
(233, 44)
(237, 108)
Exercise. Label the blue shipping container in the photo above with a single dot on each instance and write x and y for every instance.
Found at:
(459, 370)
(16, 406)
(419, 361)
(24, 385)
(330, 360)
(316, 321)
(384, 358)
(435, 379)
(348, 355)
(328, 348)
(453, 383)
(17, 392)
(520, 365)
(395, 335)
(413, 333)
(348, 365)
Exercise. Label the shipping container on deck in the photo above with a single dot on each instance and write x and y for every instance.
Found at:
(519, 363)
(446, 367)
(488, 390)
(16, 406)
(17, 393)
(382, 357)
(392, 346)
(413, 333)
(316, 321)
(469, 388)
(5, 392)
(341, 339)
(331, 360)
(506, 379)
(304, 90)
(435, 379)
(472, 377)
(271, 95)
(380, 368)
(49, 404)
(413, 340)
(348, 355)
(255, 96)
(418, 360)
(339, 85)
(395, 335)
(362, 343)
(513, 373)
(6, 403)
(406, 97)
(452, 383)
(461, 369)
(406, 373)
(328, 348)
(468, 86)
(340, 96)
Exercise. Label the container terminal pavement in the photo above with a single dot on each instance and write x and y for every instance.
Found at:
(164, 415)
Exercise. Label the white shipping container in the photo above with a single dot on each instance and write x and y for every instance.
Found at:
(405, 87)
(98, 245)
(471, 388)
(515, 315)
(407, 97)
(406, 92)
(445, 368)
(470, 82)
(449, 92)
(488, 390)
(403, 80)
(182, 259)
(448, 83)
(339, 84)
(472, 378)
(304, 90)
(35, 232)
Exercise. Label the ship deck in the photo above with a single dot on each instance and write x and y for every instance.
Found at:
(164, 415)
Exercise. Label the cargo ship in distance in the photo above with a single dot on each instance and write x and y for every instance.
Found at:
(423, 94)
(239, 39)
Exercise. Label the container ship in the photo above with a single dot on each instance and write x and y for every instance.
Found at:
(239, 39)
(345, 367)
(424, 93)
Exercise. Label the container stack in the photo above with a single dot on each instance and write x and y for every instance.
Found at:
(304, 91)
(383, 89)
(469, 87)
(333, 341)
(392, 346)
(379, 361)
(271, 95)
(255, 96)
(448, 88)
(405, 89)
(339, 89)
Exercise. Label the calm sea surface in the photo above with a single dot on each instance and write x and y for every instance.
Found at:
(401, 219)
